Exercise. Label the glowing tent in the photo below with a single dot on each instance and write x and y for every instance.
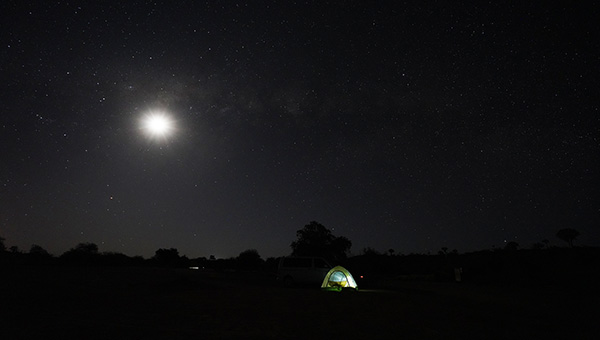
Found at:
(338, 278)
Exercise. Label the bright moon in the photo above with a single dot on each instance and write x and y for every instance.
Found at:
(158, 124)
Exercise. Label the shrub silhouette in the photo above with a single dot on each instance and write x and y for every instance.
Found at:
(512, 245)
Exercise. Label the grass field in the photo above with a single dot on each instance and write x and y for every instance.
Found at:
(151, 303)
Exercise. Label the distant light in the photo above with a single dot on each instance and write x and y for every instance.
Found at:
(195, 268)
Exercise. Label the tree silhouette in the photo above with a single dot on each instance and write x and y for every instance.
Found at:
(568, 235)
(37, 254)
(86, 248)
(316, 240)
(38, 251)
(249, 259)
(2, 246)
(168, 257)
(83, 253)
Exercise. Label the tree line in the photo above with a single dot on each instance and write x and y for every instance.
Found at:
(314, 239)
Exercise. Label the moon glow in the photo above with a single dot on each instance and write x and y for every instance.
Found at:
(158, 125)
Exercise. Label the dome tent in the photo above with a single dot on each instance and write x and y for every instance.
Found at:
(338, 278)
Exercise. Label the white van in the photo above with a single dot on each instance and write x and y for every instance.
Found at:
(302, 270)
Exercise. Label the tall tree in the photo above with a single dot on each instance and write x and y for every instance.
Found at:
(316, 240)
(568, 235)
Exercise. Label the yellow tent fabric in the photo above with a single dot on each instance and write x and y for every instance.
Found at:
(338, 278)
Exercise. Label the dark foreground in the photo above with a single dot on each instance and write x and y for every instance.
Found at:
(145, 303)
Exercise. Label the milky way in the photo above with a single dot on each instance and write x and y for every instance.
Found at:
(400, 126)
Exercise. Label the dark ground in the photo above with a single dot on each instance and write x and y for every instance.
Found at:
(151, 303)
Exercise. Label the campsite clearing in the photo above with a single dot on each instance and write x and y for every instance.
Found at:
(150, 303)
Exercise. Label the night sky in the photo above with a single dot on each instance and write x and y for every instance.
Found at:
(411, 126)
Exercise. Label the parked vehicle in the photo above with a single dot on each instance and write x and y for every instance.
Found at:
(302, 270)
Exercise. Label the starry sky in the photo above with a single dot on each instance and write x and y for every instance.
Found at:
(404, 125)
